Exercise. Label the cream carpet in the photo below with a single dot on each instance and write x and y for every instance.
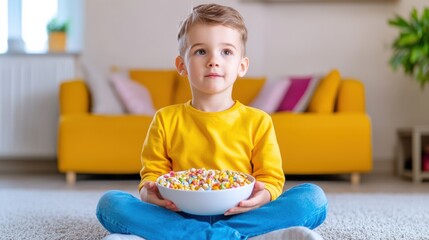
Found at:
(69, 214)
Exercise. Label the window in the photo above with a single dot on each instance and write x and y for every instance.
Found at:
(26, 20)
(35, 17)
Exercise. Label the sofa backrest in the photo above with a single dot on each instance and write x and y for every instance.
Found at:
(245, 89)
(168, 87)
(182, 91)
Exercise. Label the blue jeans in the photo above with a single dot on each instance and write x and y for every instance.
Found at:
(120, 212)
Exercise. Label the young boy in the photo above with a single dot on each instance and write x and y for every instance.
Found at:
(213, 131)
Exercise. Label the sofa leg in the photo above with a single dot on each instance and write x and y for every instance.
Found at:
(70, 178)
(355, 178)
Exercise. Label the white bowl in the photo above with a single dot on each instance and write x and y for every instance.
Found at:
(210, 202)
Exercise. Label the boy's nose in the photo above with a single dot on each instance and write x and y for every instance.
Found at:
(213, 62)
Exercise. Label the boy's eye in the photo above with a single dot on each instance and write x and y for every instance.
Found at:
(227, 52)
(200, 52)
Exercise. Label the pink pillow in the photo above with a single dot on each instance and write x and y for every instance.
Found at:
(135, 97)
(299, 93)
(271, 95)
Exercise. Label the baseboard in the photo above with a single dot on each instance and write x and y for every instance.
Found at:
(25, 166)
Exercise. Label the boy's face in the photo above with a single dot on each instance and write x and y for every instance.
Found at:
(213, 59)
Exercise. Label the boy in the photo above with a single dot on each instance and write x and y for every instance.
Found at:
(213, 131)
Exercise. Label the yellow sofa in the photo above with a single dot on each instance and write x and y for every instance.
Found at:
(334, 141)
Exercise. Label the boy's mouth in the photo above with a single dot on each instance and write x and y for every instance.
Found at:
(213, 75)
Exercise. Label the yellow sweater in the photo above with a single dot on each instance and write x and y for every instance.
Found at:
(241, 139)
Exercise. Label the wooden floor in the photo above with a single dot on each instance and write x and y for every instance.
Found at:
(370, 183)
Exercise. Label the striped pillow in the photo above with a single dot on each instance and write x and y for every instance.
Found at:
(271, 95)
(299, 93)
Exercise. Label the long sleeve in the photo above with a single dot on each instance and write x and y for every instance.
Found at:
(154, 158)
(266, 159)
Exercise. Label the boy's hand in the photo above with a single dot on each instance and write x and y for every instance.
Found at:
(259, 197)
(150, 194)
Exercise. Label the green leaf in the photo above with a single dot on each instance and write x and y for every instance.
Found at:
(414, 17)
(406, 64)
(425, 48)
(396, 60)
(400, 23)
(425, 17)
(416, 54)
(408, 39)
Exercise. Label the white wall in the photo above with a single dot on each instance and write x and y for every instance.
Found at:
(284, 38)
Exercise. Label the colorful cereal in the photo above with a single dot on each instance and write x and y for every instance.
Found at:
(203, 180)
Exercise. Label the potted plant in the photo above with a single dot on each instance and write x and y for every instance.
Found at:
(57, 35)
(411, 46)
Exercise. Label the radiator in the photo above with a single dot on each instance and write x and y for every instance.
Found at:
(29, 103)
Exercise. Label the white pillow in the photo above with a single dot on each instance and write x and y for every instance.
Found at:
(103, 98)
(135, 97)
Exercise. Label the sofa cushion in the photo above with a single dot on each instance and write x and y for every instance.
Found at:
(134, 96)
(103, 97)
(351, 96)
(299, 93)
(323, 100)
(246, 89)
(160, 84)
(271, 95)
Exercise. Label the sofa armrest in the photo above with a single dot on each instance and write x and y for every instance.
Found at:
(351, 96)
(101, 143)
(74, 97)
(312, 143)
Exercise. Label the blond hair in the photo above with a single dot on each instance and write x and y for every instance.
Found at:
(212, 14)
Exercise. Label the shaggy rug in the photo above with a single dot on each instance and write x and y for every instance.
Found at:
(69, 214)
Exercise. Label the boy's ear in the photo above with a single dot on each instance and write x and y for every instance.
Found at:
(244, 65)
(180, 66)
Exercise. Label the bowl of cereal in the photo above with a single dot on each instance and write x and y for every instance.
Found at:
(205, 192)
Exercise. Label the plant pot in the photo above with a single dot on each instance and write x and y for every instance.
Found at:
(57, 41)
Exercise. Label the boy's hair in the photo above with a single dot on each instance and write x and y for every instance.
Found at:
(212, 14)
